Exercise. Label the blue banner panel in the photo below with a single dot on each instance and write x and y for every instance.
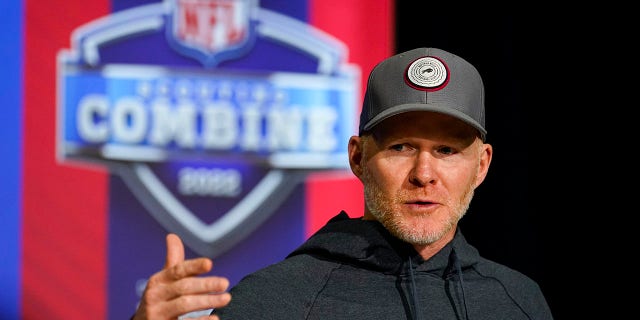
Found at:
(11, 44)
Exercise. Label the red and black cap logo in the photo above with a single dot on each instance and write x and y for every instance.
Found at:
(427, 73)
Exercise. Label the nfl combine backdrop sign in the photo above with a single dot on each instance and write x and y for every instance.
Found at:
(223, 121)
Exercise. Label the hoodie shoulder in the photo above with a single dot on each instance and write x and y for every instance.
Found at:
(284, 290)
(524, 291)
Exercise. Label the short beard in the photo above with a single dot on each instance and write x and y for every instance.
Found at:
(383, 208)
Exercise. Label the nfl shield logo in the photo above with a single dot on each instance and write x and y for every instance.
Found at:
(211, 30)
(211, 154)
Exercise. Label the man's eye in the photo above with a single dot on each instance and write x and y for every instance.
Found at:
(398, 147)
(446, 150)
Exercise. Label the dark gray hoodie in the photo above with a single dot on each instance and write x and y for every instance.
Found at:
(355, 269)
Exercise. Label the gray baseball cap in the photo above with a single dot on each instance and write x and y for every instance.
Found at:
(424, 79)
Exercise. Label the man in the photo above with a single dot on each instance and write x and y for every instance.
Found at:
(420, 154)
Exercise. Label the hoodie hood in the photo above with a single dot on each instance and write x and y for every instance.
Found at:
(367, 244)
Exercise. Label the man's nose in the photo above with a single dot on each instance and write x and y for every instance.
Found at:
(423, 170)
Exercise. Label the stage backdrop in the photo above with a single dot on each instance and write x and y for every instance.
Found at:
(223, 121)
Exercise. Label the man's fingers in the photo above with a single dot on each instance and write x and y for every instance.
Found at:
(188, 295)
(186, 304)
(159, 290)
(188, 268)
(200, 285)
(174, 308)
(175, 250)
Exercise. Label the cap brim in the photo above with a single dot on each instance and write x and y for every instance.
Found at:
(431, 107)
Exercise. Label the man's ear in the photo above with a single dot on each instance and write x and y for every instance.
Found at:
(486, 154)
(355, 155)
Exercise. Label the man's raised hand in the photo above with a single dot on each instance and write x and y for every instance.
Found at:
(178, 288)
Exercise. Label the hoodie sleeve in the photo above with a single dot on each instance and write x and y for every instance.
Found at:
(285, 290)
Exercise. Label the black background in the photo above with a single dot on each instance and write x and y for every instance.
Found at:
(509, 222)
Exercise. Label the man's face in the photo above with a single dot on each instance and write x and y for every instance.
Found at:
(419, 171)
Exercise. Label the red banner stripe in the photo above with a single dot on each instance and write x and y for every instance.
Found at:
(64, 208)
(368, 30)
